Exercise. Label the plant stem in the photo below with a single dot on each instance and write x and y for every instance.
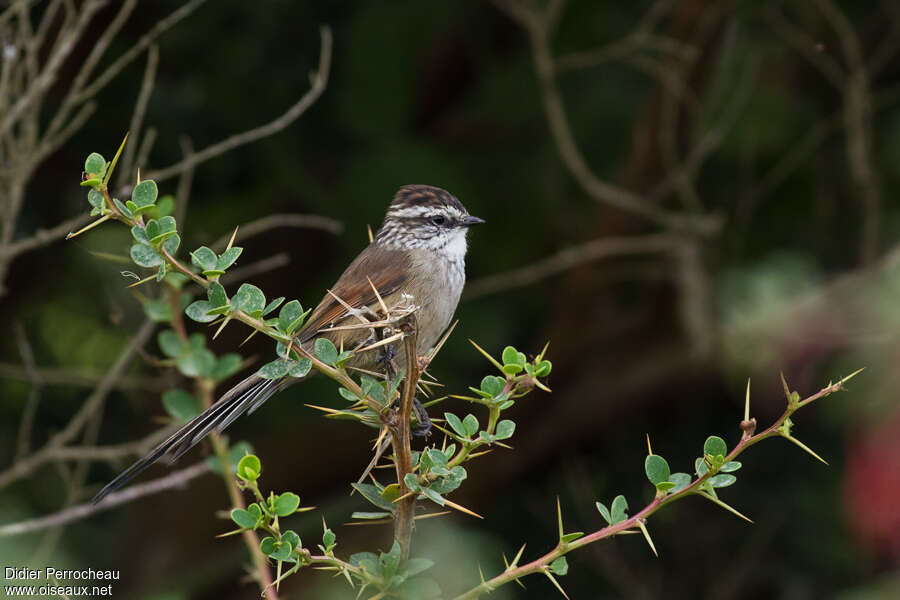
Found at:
(542, 564)
(400, 440)
(220, 448)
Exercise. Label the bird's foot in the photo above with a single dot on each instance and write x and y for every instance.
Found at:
(422, 428)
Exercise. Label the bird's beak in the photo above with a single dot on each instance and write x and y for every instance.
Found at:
(469, 220)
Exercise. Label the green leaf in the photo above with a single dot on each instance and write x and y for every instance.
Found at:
(94, 164)
(243, 518)
(197, 311)
(328, 538)
(180, 405)
(196, 361)
(291, 538)
(226, 366)
(619, 506)
(276, 369)
(543, 368)
(559, 566)
(367, 516)
(656, 468)
(288, 314)
(171, 244)
(715, 446)
(169, 343)
(412, 482)
(512, 369)
(373, 495)
(204, 258)
(235, 454)
(249, 299)
(510, 356)
(95, 199)
(122, 208)
(164, 207)
(140, 235)
(286, 504)
(267, 545)
(471, 424)
(145, 256)
(433, 495)
(730, 466)
(505, 429)
(216, 294)
(227, 258)
(272, 305)
(604, 512)
(390, 561)
(414, 566)
(249, 468)
(144, 194)
(571, 537)
(159, 311)
(325, 351)
(681, 481)
(455, 424)
(700, 467)
(722, 480)
(665, 486)
(299, 368)
(492, 385)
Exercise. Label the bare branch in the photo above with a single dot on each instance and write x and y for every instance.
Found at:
(805, 45)
(570, 257)
(80, 378)
(177, 479)
(51, 68)
(126, 167)
(23, 442)
(76, 424)
(319, 81)
(270, 222)
(43, 237)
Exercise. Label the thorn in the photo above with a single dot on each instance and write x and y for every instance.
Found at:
(221, 327)
(138, 176)
(89, 226)
(440, 343)
(231, 241)
(480, 573)
(806, 448)
(725, 506)
(247, 339)
(649, 449)
(461, 508)
(144, 280)
(486, 355)
(556, 583)
(540, 356)
(324, 409)
(377, 295)
(559, 518)
(115, 159)
(384, 342)
(850, 376)
(747, 402)
(371, 237)
(787, 391)
(643, 528)
(540, 385)
(518, 555)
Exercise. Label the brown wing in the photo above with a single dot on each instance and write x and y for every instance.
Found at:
(386, 268)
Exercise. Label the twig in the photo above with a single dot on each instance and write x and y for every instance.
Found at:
(126, 167)
(34, 396)
(27, 464)
(80, 378)
(43, 237)
(270, 222)
(319, 81)
(570, 257)
(174, 480)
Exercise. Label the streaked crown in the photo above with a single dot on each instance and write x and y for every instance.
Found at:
(424, 216)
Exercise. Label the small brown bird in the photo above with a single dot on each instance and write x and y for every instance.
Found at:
(416, 260)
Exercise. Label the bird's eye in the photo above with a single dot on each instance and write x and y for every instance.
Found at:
(438, 219)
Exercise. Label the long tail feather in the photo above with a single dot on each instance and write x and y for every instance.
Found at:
(245, 397)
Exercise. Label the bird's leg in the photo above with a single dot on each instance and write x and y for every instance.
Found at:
(422, 427)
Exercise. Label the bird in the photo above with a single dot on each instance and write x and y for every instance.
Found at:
(416, 260)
